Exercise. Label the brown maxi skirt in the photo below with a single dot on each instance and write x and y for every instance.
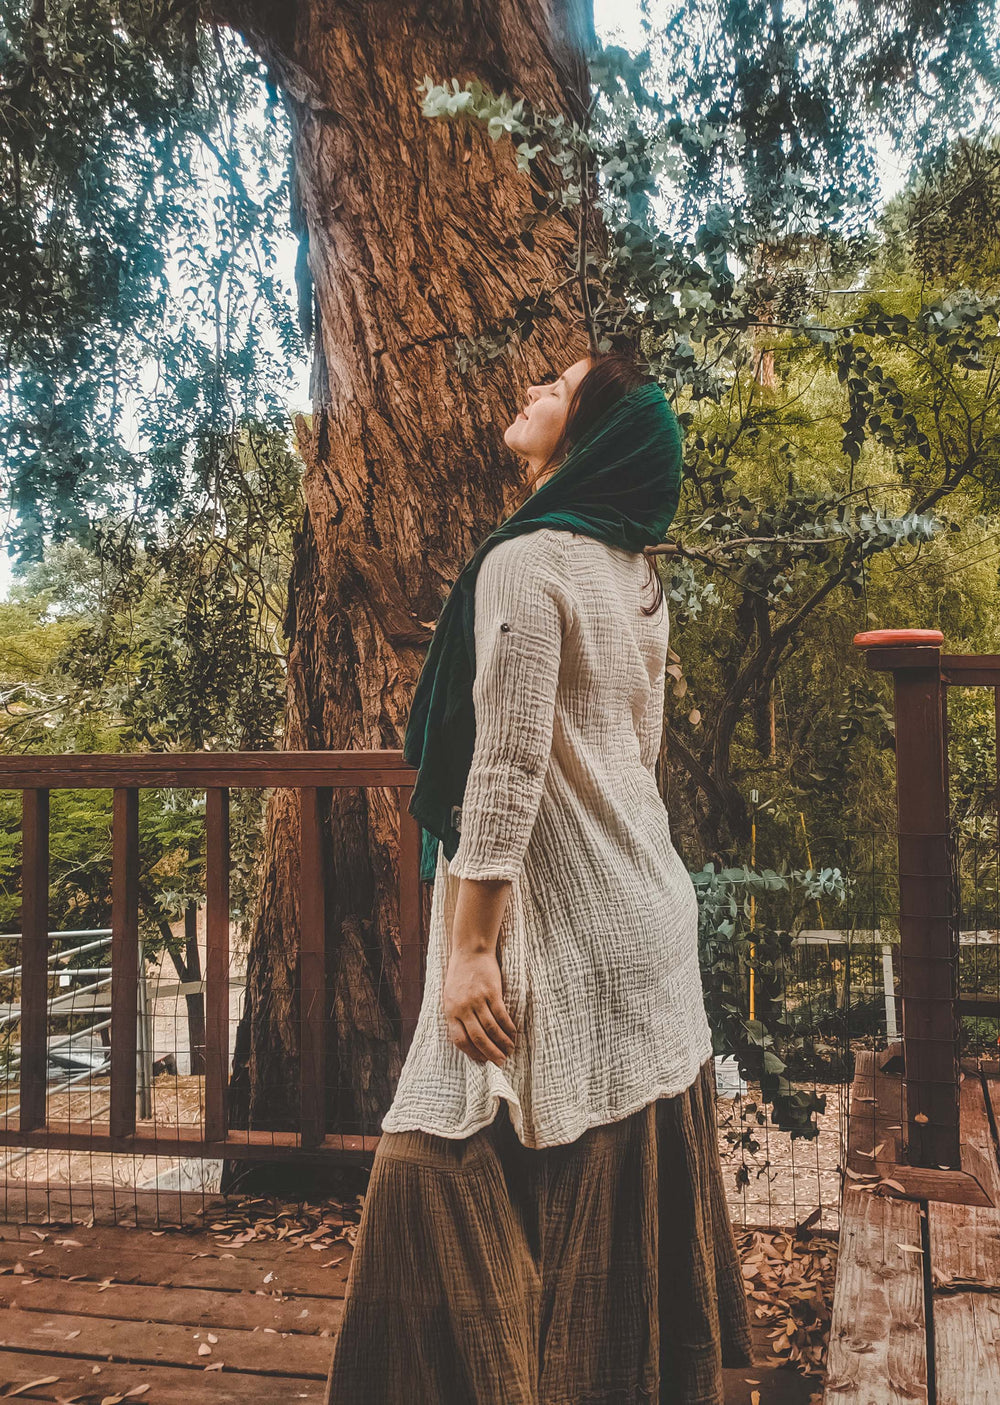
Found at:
(598, 1272)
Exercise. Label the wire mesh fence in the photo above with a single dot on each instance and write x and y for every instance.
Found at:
(117, 1041)
(815, 967)
(828, 983)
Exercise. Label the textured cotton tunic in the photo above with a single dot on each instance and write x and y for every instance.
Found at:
(598, 945)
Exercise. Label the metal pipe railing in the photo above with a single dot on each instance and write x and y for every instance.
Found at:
(57, 955)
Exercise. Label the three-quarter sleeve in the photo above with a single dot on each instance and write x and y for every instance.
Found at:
(523, 609)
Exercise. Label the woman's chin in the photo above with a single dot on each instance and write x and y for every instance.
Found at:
(512, 438)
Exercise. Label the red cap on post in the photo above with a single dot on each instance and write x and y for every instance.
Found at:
(897, 638)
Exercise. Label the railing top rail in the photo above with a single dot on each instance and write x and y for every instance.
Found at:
(892, 650)
(971, 670)
(199, 770)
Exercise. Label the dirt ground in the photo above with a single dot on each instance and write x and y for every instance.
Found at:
(789, 1180)
(176, 1102)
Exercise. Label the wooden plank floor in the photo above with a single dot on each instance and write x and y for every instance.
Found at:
(965, 1264)
(92, 1313)
(905, 1332)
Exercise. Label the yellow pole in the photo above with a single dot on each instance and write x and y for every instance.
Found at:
(753, 905)
(809, 861)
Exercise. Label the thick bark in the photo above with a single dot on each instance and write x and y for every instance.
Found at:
(410, 227)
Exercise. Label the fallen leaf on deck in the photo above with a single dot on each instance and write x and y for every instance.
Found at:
(29, 1385)
(887, 1180)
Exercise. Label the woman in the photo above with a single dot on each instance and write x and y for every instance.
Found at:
(545, 1222)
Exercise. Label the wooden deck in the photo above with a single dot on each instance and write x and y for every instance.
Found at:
(91, 1313)
(175, 1317)
(916, 1316)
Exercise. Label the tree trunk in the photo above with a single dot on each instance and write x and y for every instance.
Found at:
(410, 229)
(195, 1003)
(188, 968)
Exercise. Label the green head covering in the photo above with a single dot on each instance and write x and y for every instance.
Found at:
(620, 483)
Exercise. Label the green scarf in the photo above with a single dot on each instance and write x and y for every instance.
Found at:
(620, 484)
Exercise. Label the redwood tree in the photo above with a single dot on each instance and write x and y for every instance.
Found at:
(412, 237)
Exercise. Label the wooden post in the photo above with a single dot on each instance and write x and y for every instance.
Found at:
(312, 970)
(928, 918)
(34, 956)
(216, 962)
(124, 958)
(411, 946)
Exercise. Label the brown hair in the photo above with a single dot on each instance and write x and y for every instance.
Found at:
(609, 376)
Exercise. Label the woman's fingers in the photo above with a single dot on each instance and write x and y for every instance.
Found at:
(481, 1039)
(468, 1035)
(499, 1009)
(499, 1037)
(458, 1036)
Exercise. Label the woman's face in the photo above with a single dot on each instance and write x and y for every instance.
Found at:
(535, 432)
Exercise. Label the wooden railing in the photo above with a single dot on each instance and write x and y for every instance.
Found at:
(308, 773)
(932, 1005)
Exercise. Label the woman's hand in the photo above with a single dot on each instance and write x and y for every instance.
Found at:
(472, 998)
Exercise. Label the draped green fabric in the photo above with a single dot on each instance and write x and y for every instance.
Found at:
(619, 483)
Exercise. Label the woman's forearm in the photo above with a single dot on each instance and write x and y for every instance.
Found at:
(479, 911)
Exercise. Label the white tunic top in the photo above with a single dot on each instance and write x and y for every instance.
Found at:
(598, 944)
